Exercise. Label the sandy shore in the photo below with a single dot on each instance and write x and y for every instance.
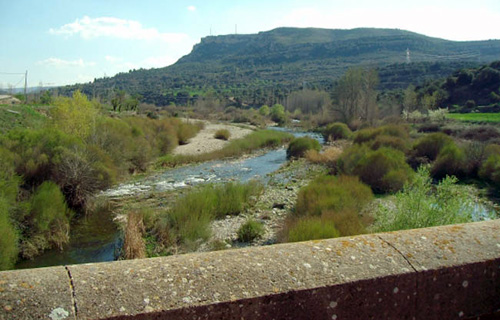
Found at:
(205, 142)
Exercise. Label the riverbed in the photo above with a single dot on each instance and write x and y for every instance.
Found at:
(98, 238)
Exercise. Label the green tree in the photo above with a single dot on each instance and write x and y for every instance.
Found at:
(278, 113)
(75, 116)
(264, 110)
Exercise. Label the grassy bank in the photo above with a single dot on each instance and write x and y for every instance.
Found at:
(254, 141)
(476, 117)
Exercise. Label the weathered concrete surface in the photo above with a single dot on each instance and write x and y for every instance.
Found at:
(43, 293)
(458, 265)
(438, 273)
(158, 285)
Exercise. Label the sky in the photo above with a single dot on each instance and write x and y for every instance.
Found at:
(63, 42)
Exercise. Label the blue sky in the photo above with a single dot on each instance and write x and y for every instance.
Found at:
(68, 41)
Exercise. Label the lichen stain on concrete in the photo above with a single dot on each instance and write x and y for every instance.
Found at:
(58, 314)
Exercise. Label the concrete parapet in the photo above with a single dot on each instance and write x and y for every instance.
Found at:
(449, 272)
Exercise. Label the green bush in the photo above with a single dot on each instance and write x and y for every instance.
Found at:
(421, 205)
(450, 161)
(50, 214)
(222, 134)
(385, 170)
(311, 228)
(337, 130)
(490, 168)
(299, 146)
(430, 145)
(389, 141)
(328, 193)
(250, 230)
(8, 237)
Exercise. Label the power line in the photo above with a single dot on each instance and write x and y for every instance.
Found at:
(13, 73)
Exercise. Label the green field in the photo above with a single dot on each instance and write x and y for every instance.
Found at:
(476, 117)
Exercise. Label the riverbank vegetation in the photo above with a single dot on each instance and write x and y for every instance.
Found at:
(392, 160)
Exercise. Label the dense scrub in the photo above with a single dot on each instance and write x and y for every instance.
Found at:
(52, 169)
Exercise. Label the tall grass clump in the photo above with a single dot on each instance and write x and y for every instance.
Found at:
(328, 207)
(329, 193)
(299, 146)
(222, 134)
(336, 131)
(250, 230)
(420, 204)
(134, 246)
(189, 219)
(312, 228)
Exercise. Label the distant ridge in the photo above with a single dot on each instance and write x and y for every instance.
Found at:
(249, 67)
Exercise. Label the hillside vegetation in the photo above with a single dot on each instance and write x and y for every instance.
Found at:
(263, 68)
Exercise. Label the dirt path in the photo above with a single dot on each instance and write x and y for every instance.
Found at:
(205, 142)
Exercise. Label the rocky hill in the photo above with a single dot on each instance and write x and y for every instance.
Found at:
(256, 67)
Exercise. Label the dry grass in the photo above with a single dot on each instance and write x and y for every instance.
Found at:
(329, 156)
(134, 246)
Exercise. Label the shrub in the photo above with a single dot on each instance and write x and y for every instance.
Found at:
(330, 193)
(419, 206)
(490, 169)
(50, 214)
(481, 133)
(185, 132)
(385, 169)
(369, 134)
(430, 145)
(222, 134)
(264, 110)
(350, 158)
(389, 141)
(348, 222)
(8, 237)
(299, 146)
(336, 131)
(311, 228)
(250, 231)
(450, 161)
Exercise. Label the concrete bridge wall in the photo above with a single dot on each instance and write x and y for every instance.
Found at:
(449, 272)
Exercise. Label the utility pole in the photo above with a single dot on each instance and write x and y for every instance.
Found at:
(235, 29)
(26, 87)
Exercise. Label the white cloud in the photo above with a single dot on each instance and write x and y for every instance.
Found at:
(56, 62)
(90, 28)
(191, 8)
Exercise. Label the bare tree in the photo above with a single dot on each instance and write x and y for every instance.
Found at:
(356, 95)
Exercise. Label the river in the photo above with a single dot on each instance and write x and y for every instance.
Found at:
(97, 238)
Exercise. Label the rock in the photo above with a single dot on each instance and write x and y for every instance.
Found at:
(279, 206)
